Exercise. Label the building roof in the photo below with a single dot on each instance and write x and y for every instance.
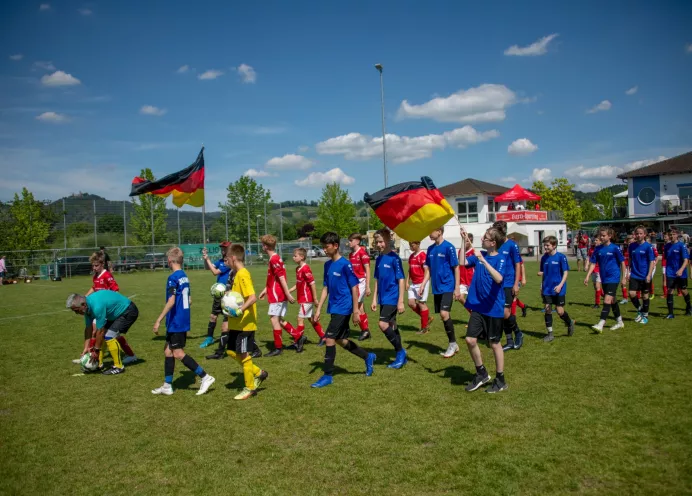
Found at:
(676, 165)
(472, 186)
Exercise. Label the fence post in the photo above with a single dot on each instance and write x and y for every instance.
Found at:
(281, 226)
(178, 226)
(248, 232)
(225, 210)
(125, 223)
(96, 241)
(265, 216)
(64, 224)
(153, 240)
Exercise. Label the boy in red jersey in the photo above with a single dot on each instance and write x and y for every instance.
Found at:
(417, 295)
(595, 275)
(652, 241)
(625, 251)
(360, 261)
(278, 295)
(307, 294)
(466, 273)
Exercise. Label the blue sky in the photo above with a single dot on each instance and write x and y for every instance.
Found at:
(90, 92)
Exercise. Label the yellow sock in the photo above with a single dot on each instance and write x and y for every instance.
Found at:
(114, 349)
(231, 354)
(248, 372)
(256, 370)
(100, 358)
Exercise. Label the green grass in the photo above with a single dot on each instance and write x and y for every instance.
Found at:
(591, 414)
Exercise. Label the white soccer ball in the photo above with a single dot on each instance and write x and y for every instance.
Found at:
(231, 301)
(88, 365)
(217, 290)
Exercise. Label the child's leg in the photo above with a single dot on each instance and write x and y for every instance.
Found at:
(318, 327)
(424, 313)
(448, 325)
(475, 352)
(520, 304)
(286, 325)
(114, 348)
(564, 315)
(352, 347)
(413, 305)
(300, 325)
(125, 345)
(189, 362)
(363, 323)
(499, 360)
(276, 328)
(387, 327)
(212, 325)
(168, 365)
(548, 317)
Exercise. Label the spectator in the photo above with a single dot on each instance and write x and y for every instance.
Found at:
(106, 259)
(3, 269)
(537, 206)
(511, 206)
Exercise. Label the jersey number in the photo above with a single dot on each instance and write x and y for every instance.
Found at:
(186, 298)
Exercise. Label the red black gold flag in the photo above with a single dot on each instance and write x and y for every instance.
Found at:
(186, 186)
(412, 210)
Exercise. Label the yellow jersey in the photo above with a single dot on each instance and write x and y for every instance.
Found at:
(243, 284)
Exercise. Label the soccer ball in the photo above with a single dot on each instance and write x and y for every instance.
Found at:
(218, 290)
(88, 365)
(231, 301)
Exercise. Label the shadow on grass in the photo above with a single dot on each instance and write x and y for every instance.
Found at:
(458, 375)
(185, 380)
(337, 370)
(431, 348)
(238, 381)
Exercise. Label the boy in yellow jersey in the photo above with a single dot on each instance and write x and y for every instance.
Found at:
(242, 323)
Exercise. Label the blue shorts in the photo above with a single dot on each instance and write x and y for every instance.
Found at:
(2, 274)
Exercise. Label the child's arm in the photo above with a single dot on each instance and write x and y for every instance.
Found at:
(169, 305)
(292, 288)
(208, 263)
(323, 297)
(497, 277)
(373, 305)
(284, 286)
(112, 285)
(426, 278)
(523, 275)
(457, 281)
(313, 290)
(400, 304)
(354, 297)
(367, 279)
(408, 281)
(249, 301)
(558, 288)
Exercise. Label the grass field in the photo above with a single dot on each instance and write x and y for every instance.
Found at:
(591, 414)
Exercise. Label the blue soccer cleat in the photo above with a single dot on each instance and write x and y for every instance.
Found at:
(669, 316)
(323, 381)
(399, 361)
(207, 342)
(369, 364)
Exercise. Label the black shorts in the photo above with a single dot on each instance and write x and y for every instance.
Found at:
(610, 288)
(123, 322)
(176, 340)
(387, 313)
(241, 341)
(557, 300)
(679, 283)
(484, 327)
(216, 307)
(509, 297)
(443, 302)
(639, 285)
(338, 327)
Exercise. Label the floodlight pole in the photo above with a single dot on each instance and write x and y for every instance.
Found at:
(384, 133)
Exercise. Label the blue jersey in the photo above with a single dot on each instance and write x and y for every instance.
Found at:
(485, 295)
(553, 268)
(339, 279)
(225, 270)
(676, 253)
(510, 250)
(104, 306)
(609, 258)
(641, 255)
(441, 259)
(388, 272)
(178, 286)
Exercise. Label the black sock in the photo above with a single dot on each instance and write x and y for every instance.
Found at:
(669, 301)
(210, 329)
(500, 377)
(548, 317)
(329, 359)
(507, 327)
(392, 337)
(168, 366)
(356, 350)
(449, 329)
(645, 306)
(513, 323)
(616, 310)
(635, 302)
(480, 370)
(605, 311)
(565, 318)
(190, 363)
(223, 342)
(687, 301)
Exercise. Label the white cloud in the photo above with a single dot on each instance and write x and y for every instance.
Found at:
(183, 68)
(522, 146)
(688, 48)
(588, 187)
(539, 47)
(16, 56)
(604, 105)
(544, 175)
(45, 65)
(258, 173)
(60, 78)
(303, 149)
(485, 103)
(44, 6)
(318, 179)
(151, 110)
(85, 12)
(609, 171)
(53, 117)
(210, 74)
(400, 149)
(632, 90)
(289, 161)
(247, 73)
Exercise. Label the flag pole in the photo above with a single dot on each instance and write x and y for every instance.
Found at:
(204, 226)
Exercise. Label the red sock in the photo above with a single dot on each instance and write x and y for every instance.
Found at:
(521, 304)
(598, 297)
(665, 290)
(651, 290)
(624, 293)
(278, 343)
(514, 307)
(318, 329)
(363, 321)
(300, 329)
(125, 346)
(416, 309)
(295, 334)
(424, 318)
(639, 294)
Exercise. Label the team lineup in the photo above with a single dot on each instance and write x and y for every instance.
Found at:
(486, 282)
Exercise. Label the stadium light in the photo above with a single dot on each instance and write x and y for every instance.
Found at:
(384, 144)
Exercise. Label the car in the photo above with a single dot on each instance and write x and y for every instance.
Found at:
(311, 253)
(154, 260)
(74, 266)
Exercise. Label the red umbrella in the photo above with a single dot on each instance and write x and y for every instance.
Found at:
(517, 193)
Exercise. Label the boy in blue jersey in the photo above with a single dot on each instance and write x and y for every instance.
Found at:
(642, 264)
(177, 315)
(389, 293)
(486, 302)
(443, 264)
(510, 250)
(340, 284)
(221, 271)
(554, 269)
(677, 260)
(611, 266)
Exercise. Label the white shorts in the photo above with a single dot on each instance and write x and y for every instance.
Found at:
(278, 309)
(305, 310)
(361, 290)
(414, 293)
(596, 277)
(463, 289)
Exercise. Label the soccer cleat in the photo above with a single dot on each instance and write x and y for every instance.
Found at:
(114, 371)
(669, 316)
(325, 380)
(206, 383)
(245, 394)
(478, 381)
(496, 387)
(399, 361)
(426, 329)
(598, 328)
(688, 312)
(618, 325)
(369, 364)
(570, 327)
(518, 340)
(624, 301)
(256, 354)
(166, 389)
(452, 350)
(77, 361)
(322, 342)
(639, 317)
(523, 312)
(645, 320)
(596, 307)
(208, 341)
(364, 335)
(509, 346)
(275, 352)
(549, 337)
(218, 355)
(300, 344)
(261, 378)
(130, 359)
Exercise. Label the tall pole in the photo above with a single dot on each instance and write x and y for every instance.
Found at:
(125, 222)
(179, 227)
(265, 216)
(248, 231)
(204, 226)
(64, 224)
(281, 229)
(384, 133)
(96, 241)
(258, 236)
(225, 211)
(153, 239)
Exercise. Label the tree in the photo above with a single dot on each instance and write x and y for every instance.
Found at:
(110, 223)
(560, 196)
(78, 229)
(245, 198)
(29, 226)
(141, 221)
(589, 212)
(306, 230)
(540, 189)
(290, 232)
(336, 212)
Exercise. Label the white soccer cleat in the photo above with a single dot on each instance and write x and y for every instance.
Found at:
(130, 359)
(77, 361)
(452, 350)
(618, 325)
(598, 328)
(205, 384)
(166, 390)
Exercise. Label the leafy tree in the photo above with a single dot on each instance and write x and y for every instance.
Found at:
(540, 189)
(110, 223)
(244, 196)
(589, 212)
(29, 226)
(77, 229)
(141, 221)
(336, 212)
(560, 196)
(306, 230)
(290, 232)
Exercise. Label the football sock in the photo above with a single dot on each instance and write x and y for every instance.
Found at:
(598, 297)
(125, 346)
(500, 377)
(424, 318)
(670, 303)
(114, 349)
(393, 338)
(254, 344)
(507, 327)
(168, 368)
(645, 306)
(300, 329)
(232, 354)
(636, 303)
(513, 308)
(278, 343)
(513, 323)
(190, 363)
(548, 317)
(521, 304)
(248, 372)
(363, 324)
(318, 329)
(565, 318)
(290, 329)
(101, 358)
(624, 293)
(223, 342)
(616, 310)
(356, 350)
(605, 311)
(480, 370)
(687, 301)
(416, 309)
(210, 329)
(329, 358)
(665, 288)
(449, 329)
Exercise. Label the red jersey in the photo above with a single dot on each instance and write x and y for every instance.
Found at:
(104, 280)
(663, 258)
(416, 267)
(275, 293)
(653, 247)
(583, 241)
(359, 259)
(466, 274)
(304, 279)
(626, 254)
(595, 270)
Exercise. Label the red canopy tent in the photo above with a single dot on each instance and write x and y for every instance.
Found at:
(517, 193)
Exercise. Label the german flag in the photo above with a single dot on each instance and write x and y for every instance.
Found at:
(412, 210)
(186, 186)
